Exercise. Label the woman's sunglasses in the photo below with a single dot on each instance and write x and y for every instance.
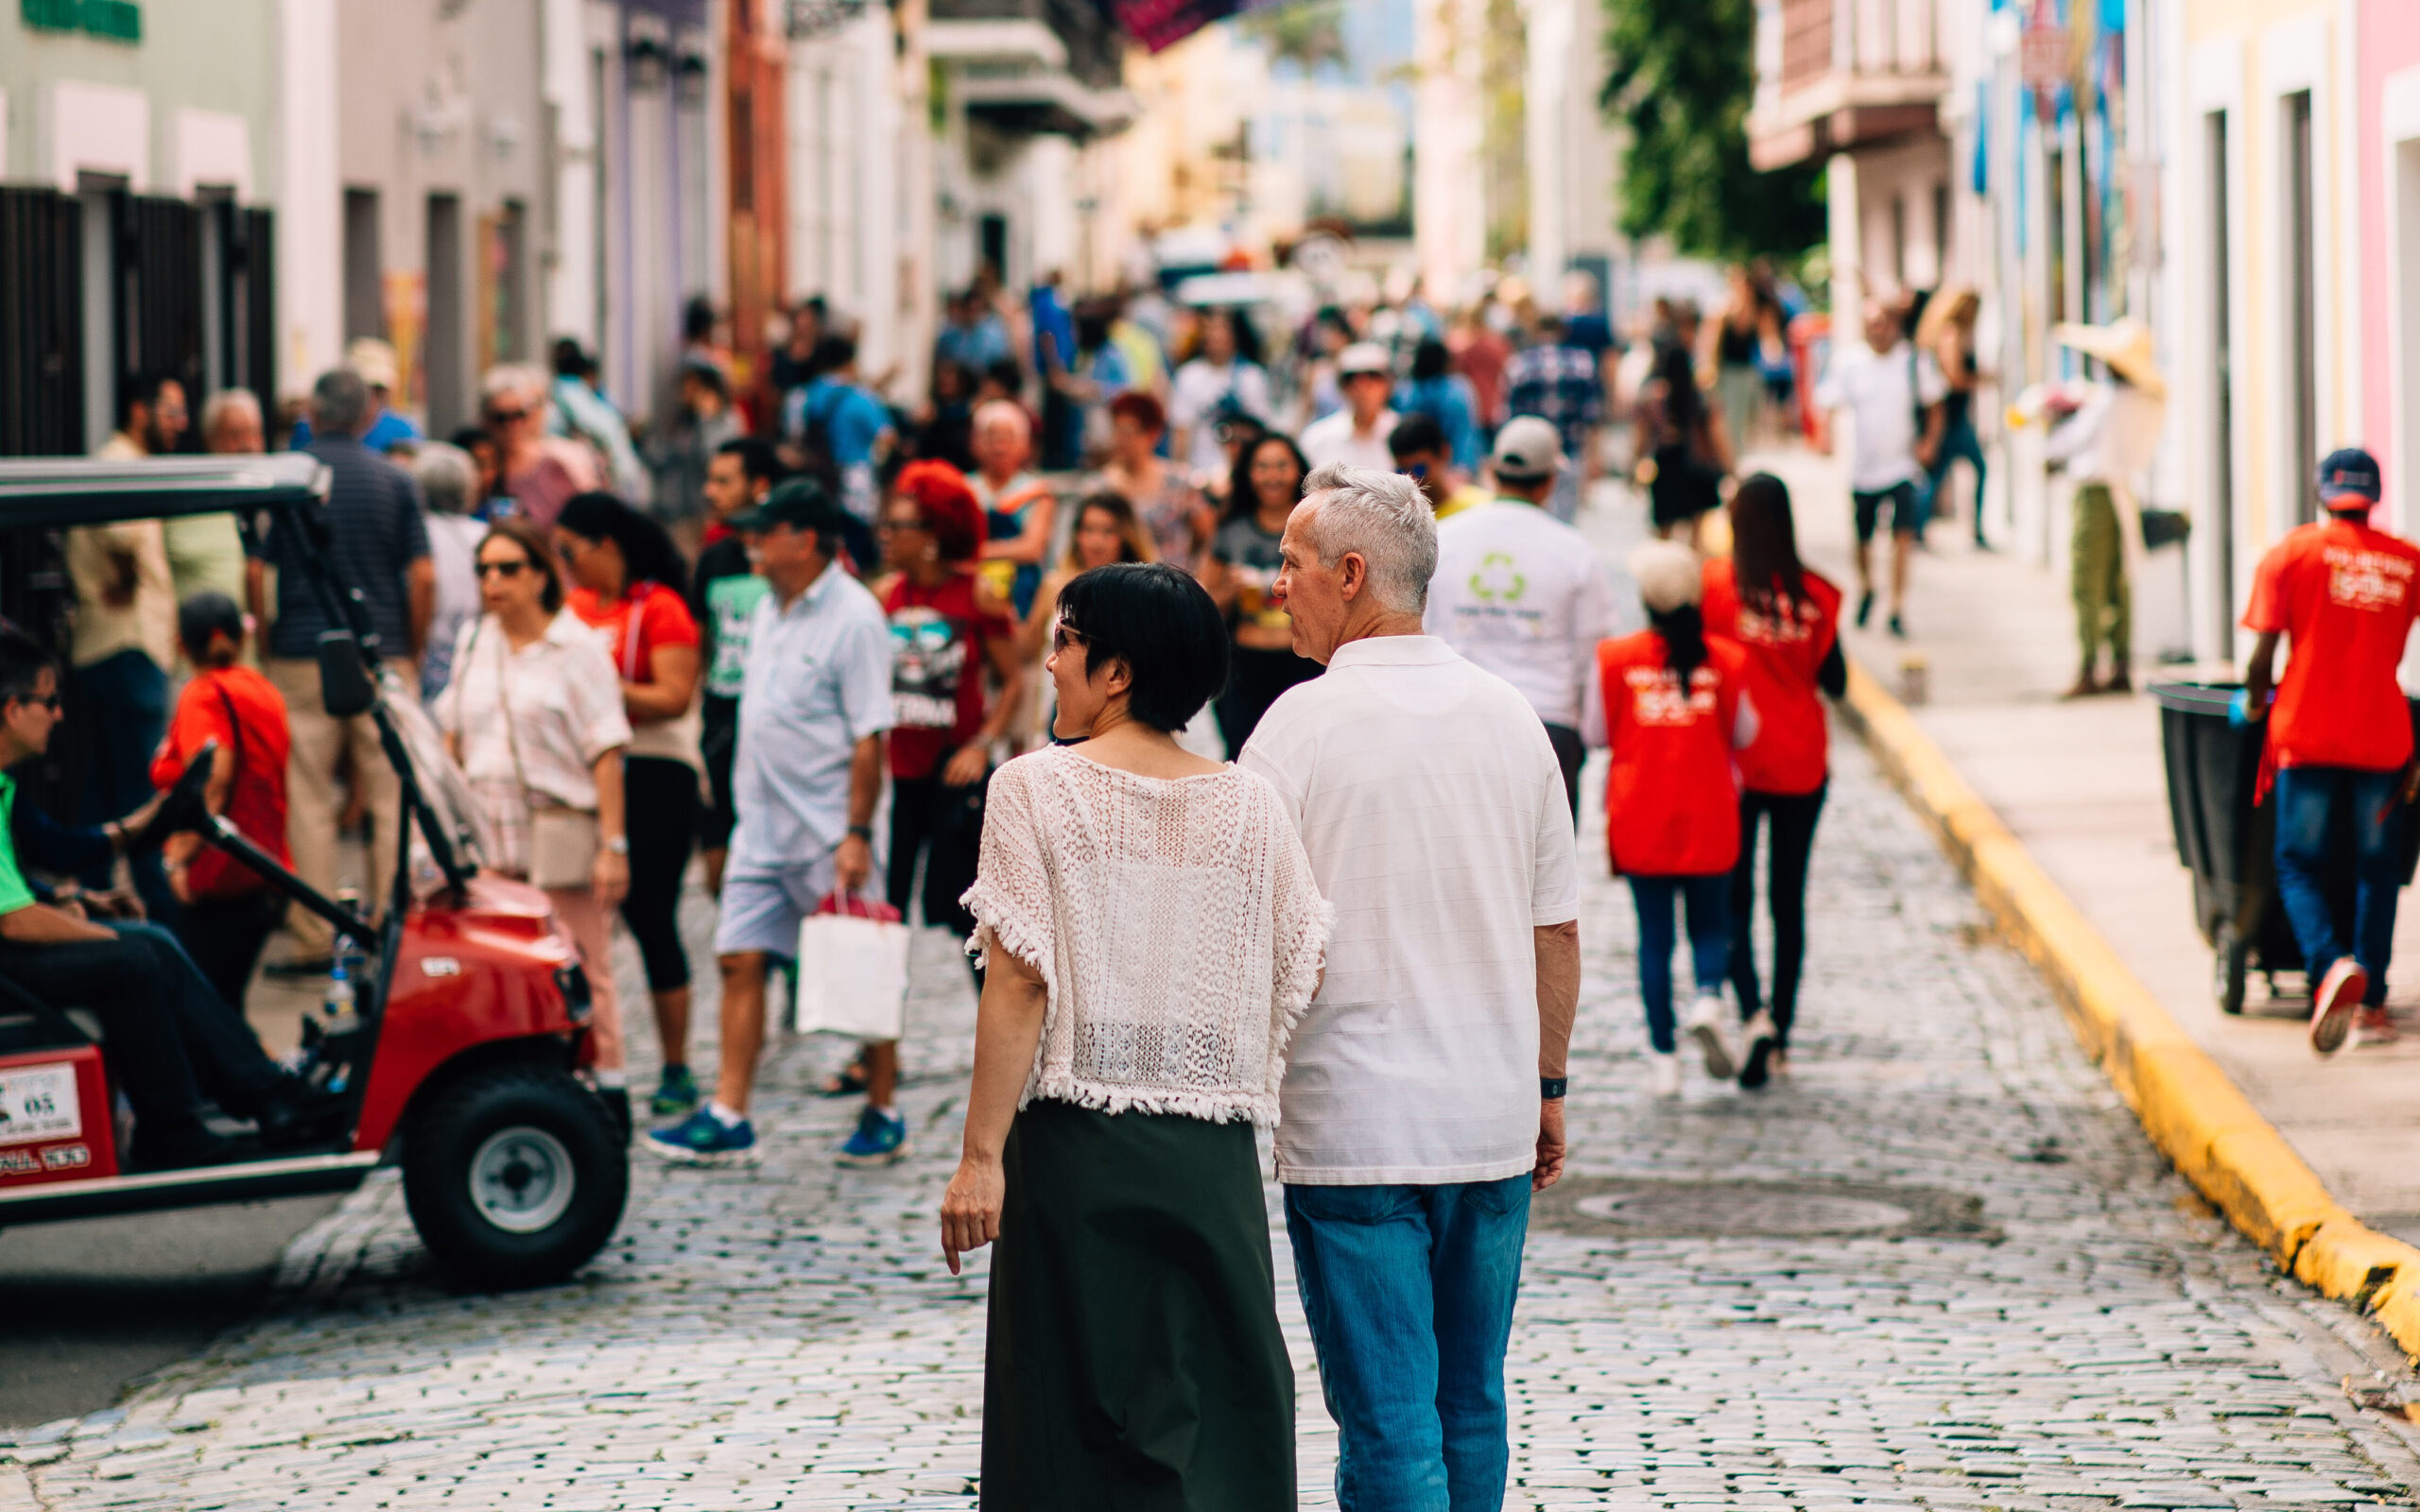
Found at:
(1063, 636)
(505, 417)
(502, 569)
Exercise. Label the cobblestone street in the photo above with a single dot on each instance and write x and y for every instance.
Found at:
(2086, 1337)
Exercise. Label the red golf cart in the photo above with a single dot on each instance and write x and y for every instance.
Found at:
(465, 1058)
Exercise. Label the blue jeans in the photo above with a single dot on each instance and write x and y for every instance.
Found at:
(126, 697)
(1709, 904)
(2316, 806)
(1959, 442)
(1409, 1291)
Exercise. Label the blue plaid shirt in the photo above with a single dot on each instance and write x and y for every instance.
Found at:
(1559, 385)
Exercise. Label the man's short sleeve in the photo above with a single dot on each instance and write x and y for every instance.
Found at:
(864, 669)
(1272, 753)
(2266, 610)
(14, 894)
(1830, 392)
(1554, 886)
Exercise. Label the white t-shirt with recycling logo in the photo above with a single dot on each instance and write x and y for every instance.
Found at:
(1522, 594)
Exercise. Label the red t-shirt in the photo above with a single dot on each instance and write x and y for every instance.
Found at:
(635, 624)
(940, 638)
(2344, 596)
(1784, 651)
(1671, 801)
(237, 707)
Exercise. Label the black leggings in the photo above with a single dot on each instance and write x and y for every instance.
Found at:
(944, 824)
(1793, 840)
(660, 812)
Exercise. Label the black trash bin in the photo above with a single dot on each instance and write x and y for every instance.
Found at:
(2229, 842)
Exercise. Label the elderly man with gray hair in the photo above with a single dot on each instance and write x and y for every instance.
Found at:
(1423, 1099)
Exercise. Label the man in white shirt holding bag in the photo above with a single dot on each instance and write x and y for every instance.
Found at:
(806, 780)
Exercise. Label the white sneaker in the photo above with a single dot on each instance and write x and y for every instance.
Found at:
(1665, 1069)
(1705, 1026)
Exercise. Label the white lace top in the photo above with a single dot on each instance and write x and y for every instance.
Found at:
(1175, 924)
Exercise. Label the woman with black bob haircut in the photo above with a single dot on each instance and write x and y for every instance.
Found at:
(1162, 623)
(1150, 933)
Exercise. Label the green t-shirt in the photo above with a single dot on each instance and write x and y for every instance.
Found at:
(14, 894)
(731, 601)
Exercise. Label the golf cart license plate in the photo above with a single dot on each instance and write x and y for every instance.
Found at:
(38, 1103)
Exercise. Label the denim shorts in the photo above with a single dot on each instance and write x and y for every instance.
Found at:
(1901, 497)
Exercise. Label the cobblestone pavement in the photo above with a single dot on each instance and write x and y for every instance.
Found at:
(789, 1338)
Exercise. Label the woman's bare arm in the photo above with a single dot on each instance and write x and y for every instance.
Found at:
(1008, 1026)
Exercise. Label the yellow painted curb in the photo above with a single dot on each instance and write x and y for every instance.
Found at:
(2194, 1114)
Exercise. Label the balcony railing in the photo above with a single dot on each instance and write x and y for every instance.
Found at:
(1833, 74)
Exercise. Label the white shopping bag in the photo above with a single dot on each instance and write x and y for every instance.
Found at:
(852, 969)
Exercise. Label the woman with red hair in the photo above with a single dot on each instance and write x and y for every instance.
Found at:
(947, 627)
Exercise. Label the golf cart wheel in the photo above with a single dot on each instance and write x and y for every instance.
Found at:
(515, 1177)
(2229, 963)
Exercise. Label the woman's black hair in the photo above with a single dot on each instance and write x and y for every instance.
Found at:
(1162, 623)
(1683, 402)
(1764, 544)
(204, 613)
(1683, 631)
(648, 555)
(1243, 500)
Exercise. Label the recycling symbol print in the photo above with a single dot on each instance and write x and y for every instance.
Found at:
(1499, 579)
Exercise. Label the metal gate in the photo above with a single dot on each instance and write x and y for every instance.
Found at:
(164, 293)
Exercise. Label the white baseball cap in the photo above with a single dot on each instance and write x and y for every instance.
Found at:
(1528, 449)
(1364, 356)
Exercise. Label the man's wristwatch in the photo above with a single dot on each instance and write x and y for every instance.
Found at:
(619, 844)
(1552, 1089)
(861, 831)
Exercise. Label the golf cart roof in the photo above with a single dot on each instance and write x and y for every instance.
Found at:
(38, 493)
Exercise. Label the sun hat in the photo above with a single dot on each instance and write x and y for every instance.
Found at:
(2125, 344)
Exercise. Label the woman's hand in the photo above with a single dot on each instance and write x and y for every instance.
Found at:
(966, 766)
(971, 1207)
(609, 878)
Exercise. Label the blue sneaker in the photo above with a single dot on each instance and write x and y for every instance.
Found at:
(676, 1092)
(702, 1139)
(881, 1138)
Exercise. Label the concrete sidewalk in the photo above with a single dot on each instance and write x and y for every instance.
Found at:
(2082, 786)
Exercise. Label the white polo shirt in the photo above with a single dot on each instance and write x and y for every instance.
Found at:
(1522, 594)
(1434, 815)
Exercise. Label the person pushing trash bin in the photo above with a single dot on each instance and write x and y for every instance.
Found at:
(2345, 595)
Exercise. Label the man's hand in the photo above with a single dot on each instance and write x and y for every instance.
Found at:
(852, 863)
(125, 576)
(134, 823)
(966, 766)
(117, 903)
(1551, 1145)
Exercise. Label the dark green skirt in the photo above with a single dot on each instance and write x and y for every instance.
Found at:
(1134, 1359)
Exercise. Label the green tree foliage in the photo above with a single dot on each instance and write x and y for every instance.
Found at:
(1308, 32)
(1682, 76)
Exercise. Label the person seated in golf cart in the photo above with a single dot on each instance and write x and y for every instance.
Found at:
(169, 1039)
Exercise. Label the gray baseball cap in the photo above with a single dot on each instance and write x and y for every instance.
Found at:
(1528, 449)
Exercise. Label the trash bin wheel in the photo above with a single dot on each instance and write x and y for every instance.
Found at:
(515, 1177)
(2229, 963)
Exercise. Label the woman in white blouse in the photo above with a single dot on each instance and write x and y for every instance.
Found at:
(534, 715)
(1150, 933)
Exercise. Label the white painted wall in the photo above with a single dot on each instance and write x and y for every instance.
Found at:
(310, 293)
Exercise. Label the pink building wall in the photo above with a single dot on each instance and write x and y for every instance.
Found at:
(2388, 41)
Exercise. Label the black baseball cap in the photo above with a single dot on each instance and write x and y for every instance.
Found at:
(801, 503)
(2348, 472)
